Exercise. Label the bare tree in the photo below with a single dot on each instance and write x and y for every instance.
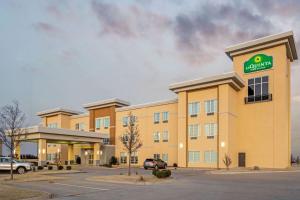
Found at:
(11, 129)
(227, 161)
(131, 140)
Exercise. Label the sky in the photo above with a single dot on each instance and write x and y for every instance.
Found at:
(64, 53)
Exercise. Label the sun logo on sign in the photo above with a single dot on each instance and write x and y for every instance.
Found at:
(257, 59)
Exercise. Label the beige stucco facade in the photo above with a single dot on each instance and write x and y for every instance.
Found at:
(242, 114)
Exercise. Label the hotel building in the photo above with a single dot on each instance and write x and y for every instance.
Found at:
(244, 114)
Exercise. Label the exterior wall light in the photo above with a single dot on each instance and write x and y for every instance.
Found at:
(86, 153)
(98, 152)
(101, 152)
(44, 151)
(180, 145)
(222, 144)
(58, 150)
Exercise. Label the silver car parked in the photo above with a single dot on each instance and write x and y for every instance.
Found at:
(18, 166)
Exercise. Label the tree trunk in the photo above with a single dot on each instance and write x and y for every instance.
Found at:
(129, 165)
(11, 161)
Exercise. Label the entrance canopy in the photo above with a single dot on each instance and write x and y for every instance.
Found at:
(58, 135)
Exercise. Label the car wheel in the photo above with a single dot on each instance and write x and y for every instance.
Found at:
(156, 167)
(21, 170)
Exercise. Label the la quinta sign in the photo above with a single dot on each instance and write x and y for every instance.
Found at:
(257, 63)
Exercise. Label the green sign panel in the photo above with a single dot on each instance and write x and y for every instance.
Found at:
(257, 63)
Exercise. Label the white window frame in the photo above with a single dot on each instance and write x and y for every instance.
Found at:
(211, 107)
(106, 122)
(156, 117)
(165, 157)
(156, 156)
(210, 156)
(156, 137)
(52, 125)
(165, 136)
(123, 158)
(165, 116)
(98, 122)
(211, 130)
(193, 158)
(134, 158)
(194, 131)
(194, 109)
(125, 121)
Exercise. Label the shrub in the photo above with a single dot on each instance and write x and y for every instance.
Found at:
(227, 161)
(68, 167)
(40, 167)
(34, 169)
(154, 171)
(256, 168)
(162, 174)
(50, 167)
(60, 167)
(107, 165)
(175, 165)
(113, 160)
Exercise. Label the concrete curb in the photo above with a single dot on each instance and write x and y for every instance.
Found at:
(248, 172)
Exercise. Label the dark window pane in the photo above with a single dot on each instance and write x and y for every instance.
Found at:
(265, 89)
(250, 81)
(258, 80)
(251, 99)
(265, 79)
(257, 89)
(251, 90)
(265, 97)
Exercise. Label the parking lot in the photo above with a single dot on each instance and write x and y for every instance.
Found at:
(185, 184)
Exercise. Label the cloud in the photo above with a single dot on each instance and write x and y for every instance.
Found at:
(129, 22)
(46, 28)
(212, 27)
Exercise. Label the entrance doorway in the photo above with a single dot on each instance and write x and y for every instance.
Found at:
(242, 159)
(87, 157)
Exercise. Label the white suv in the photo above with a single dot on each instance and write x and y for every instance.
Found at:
(19, 166)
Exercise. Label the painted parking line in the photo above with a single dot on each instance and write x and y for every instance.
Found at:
(80, 186)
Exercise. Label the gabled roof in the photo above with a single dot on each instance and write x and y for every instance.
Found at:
(286, 38)
(106, 103)
(56, 111)
(231, 78)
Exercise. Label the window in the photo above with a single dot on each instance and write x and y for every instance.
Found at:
(52, 125)
(194, 131)
(123, 158)
(194, 109)
(165, 136)
(164, 157)
(258, 90)
(105, 140)
(156, 137)
(79, 126)
(156, 118)
(102, 122)
(211, 130)
(134, 158)
(156, 156)
(125, 138)
(210, 107)
(98, 122)
(165, 117)
(106, 122)
(125, 121)
(210, 156)
(194, 156)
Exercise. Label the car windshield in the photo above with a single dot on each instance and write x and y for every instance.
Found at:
(149, 160)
